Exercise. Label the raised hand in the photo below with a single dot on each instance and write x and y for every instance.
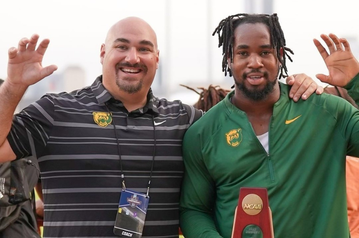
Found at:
(340, 61)
(25, 62)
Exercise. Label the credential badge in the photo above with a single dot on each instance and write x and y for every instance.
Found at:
(134, 201)
(234, 137)
(102, 119)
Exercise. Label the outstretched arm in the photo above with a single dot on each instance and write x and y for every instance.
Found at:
(24, 69)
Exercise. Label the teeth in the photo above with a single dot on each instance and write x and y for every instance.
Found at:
(131, 70)
(255, 77)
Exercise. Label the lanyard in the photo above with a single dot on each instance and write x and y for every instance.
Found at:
(120, 157)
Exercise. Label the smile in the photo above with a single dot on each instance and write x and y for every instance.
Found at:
(130, 71)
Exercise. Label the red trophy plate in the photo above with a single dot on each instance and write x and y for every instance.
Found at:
(253, 217)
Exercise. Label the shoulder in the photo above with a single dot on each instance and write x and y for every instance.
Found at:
(176, 107)
(80, 96)
(212, 120)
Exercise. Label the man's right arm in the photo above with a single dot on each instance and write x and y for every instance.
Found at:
(9, 99)
(198, 192)
(24, 69)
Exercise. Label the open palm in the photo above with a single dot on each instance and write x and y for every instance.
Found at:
(25, 62)
(340, 61)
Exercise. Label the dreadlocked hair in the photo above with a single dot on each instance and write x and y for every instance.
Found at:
(208, 97)
(225, 31)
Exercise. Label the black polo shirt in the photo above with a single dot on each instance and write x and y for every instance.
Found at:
(84, 139)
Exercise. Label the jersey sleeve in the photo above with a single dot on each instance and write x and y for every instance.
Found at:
(352, 133)
(30, 129)
(193, 113)
(353, 89)
(198, 191)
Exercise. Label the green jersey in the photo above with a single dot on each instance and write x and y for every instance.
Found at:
(303, 171)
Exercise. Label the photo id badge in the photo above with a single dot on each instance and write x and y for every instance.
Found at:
(131, 214)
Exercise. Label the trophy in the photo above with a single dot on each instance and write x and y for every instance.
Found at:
(253, 217)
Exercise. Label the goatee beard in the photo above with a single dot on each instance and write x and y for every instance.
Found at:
(129, 88)
(122, 85)
(256, 95)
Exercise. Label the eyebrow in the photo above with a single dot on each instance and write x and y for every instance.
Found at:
(246, 47)
(142, 42)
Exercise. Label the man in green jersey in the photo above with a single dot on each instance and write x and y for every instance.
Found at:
(258, 137)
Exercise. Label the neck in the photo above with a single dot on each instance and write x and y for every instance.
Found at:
(131, 105)
(131, 101)
(252, 107)
(259, 113)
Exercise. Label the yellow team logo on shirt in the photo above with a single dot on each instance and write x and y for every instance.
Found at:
(102, 119)
(234, 137)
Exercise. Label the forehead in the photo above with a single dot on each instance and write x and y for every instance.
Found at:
(251, 33)
(133, 32)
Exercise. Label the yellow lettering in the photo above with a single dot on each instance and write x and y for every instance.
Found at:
(252, 206)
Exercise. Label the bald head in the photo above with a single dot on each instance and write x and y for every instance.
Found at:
(129, 60)
(137, 26)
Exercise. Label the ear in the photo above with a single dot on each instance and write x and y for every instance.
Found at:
(158, 59)
(281, 53)
(102, 52)
(229, 63)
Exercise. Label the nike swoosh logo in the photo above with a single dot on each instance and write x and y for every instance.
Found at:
(292, 120)
(159, 123)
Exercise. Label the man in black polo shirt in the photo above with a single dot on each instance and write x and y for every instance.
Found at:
(112, 136)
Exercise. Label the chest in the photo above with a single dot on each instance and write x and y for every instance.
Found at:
(260, 123)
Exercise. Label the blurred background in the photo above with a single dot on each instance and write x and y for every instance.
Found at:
(188, 52)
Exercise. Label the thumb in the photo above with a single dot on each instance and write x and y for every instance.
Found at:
(46, 71)
(323, 78)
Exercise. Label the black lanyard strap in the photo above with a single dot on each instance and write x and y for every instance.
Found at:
(120, 157)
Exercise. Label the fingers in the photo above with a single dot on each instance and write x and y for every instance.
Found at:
(329, 42)
(338, 44)
(345, 43)
(26, 44)
(22, 44)
(321, 49)
(43, 46)
(319, 90)
(333, 43)
(12, 52)
(32, 43)
(302, 87)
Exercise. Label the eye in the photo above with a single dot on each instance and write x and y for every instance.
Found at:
(144, 49)
(266, 52)
(122, 47)
(242, 53)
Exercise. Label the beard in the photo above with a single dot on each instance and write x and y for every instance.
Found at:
(126, 84)
(256, 94)
(128, 87)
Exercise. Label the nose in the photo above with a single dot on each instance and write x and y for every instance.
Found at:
(255, 61)
(132, 56)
